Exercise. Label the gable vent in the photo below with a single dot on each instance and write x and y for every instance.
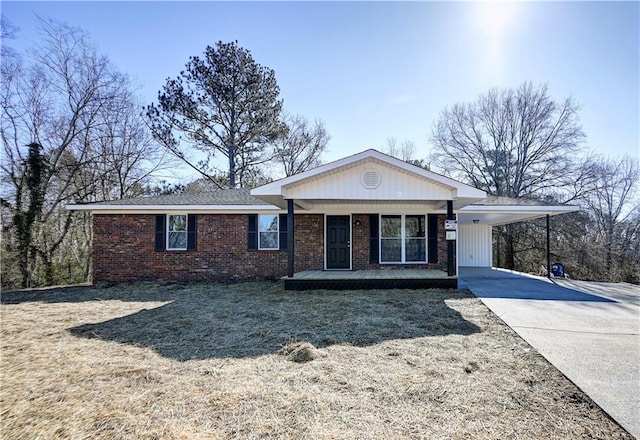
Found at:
(370, 179)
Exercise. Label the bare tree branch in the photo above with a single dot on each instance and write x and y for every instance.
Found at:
(301, 146)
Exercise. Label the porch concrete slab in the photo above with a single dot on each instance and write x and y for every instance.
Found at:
(380, 274)
(589, 331)
(370, 279)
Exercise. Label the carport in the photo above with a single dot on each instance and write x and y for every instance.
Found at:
(475, 223)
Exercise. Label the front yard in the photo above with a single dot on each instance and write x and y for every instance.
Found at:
(172, 361)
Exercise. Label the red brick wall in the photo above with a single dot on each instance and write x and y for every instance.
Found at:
(309, 242)
(124, 249)
(442, 244)
(360, 243)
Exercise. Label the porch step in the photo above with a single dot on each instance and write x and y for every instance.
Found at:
(369, 283)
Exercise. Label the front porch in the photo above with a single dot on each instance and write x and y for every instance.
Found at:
(371, 279)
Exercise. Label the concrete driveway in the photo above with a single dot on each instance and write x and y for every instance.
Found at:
(589, 331)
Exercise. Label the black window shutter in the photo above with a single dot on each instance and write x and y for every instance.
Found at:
(432, 231)
(160, 232)
(373, 238)
(283, 231)
(252, 232)
(192, 233)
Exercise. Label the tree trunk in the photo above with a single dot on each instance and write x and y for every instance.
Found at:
(23, 253)
(509, 251)
(232, 163)
(47, 262)
(498, 246)
(232, 173)
(609, 248)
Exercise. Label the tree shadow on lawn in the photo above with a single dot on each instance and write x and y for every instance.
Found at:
(254, 319)
(130, 292)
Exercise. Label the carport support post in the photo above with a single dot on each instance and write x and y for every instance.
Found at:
(290, 238)
(451, 267)
(548, 246)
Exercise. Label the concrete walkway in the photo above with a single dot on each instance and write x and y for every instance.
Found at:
(589, 331)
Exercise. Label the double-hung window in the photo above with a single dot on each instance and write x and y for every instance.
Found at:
(391, 239)
(177, 232)
(403, 239)
(268, 232)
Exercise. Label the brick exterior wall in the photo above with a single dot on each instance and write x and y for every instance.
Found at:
(309, 242)
(124, 249)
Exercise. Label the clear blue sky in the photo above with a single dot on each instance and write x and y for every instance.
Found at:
(375, 70)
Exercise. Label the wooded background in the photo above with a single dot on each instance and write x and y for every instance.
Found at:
(73, 130)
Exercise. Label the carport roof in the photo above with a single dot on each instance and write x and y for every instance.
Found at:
(496, 210)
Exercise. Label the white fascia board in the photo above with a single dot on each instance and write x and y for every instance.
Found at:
(504, 215)
(107, 209)
(557, 209)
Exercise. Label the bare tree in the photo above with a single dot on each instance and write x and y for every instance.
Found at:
(629, 256)
(79, 110)
(8, 31)
(514, 143)
(613, 204)
(301, 146)
(404, 150)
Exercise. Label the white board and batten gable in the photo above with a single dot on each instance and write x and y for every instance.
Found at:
(369, 180)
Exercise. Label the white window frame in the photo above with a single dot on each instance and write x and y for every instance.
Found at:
(277, 231)
(186, 232)
(403, 238)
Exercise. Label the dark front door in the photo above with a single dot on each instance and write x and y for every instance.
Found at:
(338, 236)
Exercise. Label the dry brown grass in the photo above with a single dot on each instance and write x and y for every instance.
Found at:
(162, 361)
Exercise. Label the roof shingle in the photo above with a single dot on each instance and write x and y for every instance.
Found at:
(235, 196)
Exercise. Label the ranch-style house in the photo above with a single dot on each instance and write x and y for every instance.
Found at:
(367, 220)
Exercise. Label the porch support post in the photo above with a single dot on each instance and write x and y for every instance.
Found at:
(290, 240)
(451, 266)
(548, 246)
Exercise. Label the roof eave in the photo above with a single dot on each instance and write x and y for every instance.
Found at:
(521, 208)
(104, 208)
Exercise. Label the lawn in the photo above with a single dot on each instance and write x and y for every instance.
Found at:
(249, 360)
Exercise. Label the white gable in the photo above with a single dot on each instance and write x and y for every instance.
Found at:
(369, 176)
(369, 179)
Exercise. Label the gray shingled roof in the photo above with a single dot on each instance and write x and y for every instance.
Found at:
(510, 201)
(217, 197)
(237, 196)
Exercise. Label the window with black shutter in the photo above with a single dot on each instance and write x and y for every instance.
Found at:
(283, 231)
(176, 232)
(252, 232)
(192, 232)
(161, 241)
(432, 232)
(267, 231)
